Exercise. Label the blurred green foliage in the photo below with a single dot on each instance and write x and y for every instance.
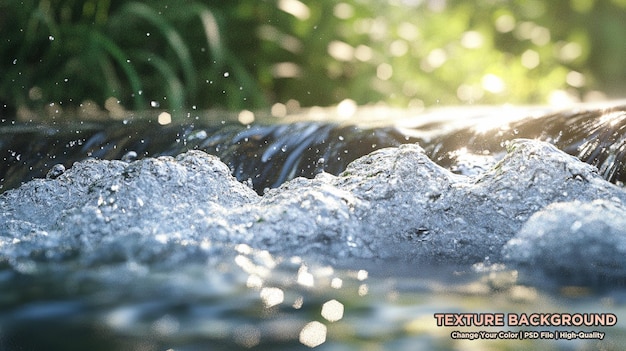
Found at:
(249, 54)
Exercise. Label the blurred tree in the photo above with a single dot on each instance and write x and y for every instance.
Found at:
(179, 55)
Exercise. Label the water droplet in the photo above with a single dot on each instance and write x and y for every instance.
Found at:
(319, 166)
(226, 74)
(154, 104)
(200, 135)
(55, 171)
(50, 37)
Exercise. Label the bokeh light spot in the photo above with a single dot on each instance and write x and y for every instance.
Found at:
(493, 83)
(164, 118)
(340, 51)
(505, 23)
(332, 310)
(295, 8)
(472, 40)
(313, 334)
(530, 59)
(384, 71)
(272, 296)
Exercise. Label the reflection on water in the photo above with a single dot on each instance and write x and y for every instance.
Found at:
(249, 299)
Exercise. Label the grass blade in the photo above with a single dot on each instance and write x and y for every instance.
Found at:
(176, 91)
(122, 60)
(175, 41)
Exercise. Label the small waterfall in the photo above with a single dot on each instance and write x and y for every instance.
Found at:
(266, 155)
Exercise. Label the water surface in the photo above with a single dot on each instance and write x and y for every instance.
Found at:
(175, 253)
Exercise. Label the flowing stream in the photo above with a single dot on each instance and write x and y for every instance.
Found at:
(326, 234)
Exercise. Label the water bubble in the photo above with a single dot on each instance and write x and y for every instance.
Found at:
(154, 103)
(55, 171)
(51, 38)
(226, 74)
(129, 156)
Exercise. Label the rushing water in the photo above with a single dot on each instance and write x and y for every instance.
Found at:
(130, 249)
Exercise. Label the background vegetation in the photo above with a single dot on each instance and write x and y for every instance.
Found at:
(114, 55)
